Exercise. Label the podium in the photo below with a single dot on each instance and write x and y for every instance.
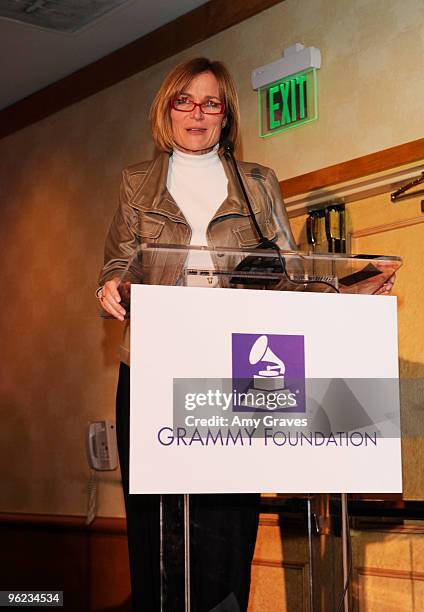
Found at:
(287, 384)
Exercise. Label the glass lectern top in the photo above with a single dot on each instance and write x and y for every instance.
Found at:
(200, 266)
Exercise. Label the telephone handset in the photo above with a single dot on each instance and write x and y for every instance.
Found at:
(101, 446)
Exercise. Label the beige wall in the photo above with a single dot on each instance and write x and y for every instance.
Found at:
(58, 184)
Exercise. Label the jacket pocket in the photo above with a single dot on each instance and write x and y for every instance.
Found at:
(149, 228)
(247, 236)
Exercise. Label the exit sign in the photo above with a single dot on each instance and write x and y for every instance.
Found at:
(289, 102)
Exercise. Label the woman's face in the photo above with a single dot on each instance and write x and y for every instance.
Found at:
(194, 131)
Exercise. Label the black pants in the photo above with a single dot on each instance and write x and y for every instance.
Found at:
(223, 535)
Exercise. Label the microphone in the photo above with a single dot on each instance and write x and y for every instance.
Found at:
(228, 146)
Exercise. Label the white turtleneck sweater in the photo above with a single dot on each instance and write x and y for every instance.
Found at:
(199, 185)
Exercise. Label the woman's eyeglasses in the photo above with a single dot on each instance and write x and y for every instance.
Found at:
(211, 107)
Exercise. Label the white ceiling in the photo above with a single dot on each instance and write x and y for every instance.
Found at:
(33, 57)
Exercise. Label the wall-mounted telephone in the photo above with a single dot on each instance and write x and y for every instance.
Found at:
(101, 445)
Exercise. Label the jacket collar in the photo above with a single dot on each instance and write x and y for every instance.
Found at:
(152, 194)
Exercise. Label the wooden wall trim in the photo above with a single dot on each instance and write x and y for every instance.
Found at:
(178, 35)
(354, 169)
(115, 525)
(269, 520)
(382, 527)
(390, 573)
(280, 564)
(387, 227)
(112, 525)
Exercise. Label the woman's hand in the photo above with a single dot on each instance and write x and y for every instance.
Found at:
(110, 299)
(366, 287)
(387, 287)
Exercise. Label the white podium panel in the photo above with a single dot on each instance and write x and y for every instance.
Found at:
(263, 391)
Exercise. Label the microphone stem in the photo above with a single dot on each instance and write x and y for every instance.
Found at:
(262, 239)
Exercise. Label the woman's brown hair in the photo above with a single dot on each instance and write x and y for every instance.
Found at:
(175, 82)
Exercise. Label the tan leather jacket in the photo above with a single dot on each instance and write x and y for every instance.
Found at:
(148, 213)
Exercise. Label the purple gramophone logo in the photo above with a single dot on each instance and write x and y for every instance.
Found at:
(268, 373)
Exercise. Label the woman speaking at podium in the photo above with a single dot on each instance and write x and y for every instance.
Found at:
(189, 194)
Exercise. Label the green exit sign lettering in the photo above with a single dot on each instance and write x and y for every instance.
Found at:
(289, 102)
